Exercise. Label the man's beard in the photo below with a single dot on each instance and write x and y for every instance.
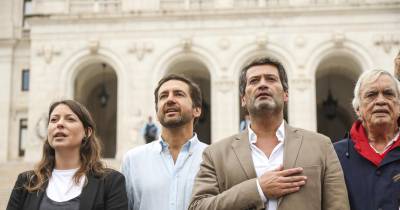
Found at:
(175, 122)
(267, 106)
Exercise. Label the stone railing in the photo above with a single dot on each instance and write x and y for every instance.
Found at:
(94, 6)
(186, 4)
(239, 4)
(118, 6)
(259, 3)
(76, 6)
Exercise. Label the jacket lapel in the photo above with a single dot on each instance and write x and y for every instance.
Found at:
(89, 193)
(36, 199)
(241, 147)
(291, 149)
(292, 144)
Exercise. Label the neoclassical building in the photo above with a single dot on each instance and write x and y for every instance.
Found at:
(109, 55)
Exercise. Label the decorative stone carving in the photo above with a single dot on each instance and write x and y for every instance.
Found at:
(41, 127)
(187, 43)
(338, 39)
(301, 83)
(225, 85)
(261, 41)
(300, 41)
(93, 46)
(141, 49)
(300, 67)
(224, 43)
(387, 42)
(48, 51)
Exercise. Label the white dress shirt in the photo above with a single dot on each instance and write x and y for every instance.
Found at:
(263, 164)
(155, 182)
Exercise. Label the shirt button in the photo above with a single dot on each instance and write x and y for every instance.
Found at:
(378, 173)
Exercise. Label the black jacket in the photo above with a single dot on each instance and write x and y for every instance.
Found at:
(99, 193)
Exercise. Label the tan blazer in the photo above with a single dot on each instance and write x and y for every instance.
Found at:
(227, 178)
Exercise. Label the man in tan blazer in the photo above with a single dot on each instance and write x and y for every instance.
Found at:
(270, 165)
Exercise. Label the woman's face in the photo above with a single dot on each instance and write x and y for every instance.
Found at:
(65, 130)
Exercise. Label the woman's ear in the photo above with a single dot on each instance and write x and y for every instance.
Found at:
(88, 132)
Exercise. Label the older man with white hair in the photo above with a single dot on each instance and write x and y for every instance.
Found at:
(370, 155)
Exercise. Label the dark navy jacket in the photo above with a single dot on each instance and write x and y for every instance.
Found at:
(370, 187)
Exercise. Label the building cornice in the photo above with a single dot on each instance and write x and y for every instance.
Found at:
(216, 13)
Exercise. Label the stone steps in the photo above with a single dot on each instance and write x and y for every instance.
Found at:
(9, 172)
(8, 175)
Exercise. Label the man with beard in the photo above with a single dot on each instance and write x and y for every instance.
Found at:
(160, 175)
(271, 165)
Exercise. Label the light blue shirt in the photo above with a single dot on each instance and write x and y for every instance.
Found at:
(154, 182)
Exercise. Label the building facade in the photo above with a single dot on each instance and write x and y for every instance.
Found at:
(109, 55)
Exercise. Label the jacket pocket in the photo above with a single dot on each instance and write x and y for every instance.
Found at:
(313, 174)
(396, 186)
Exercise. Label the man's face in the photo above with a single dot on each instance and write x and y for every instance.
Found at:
(379, 102)
(175, 106)
(264, 90)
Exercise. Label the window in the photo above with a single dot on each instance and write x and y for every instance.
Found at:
(27, 10)
(23, 136)
(25, 80)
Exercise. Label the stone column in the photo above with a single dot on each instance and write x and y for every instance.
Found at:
(42, 91)
(302, 108)
(6, 60)
(225, 115)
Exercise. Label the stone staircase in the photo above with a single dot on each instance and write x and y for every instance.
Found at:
(9, 172)
(8, 175)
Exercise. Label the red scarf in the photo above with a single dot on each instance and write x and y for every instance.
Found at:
(362, 146)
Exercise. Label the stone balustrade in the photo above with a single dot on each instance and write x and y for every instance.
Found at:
(118, 6)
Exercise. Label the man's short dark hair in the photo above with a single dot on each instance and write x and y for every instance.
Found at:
(194, 89)
(259, 62)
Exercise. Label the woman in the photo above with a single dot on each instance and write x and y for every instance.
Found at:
(70, 174)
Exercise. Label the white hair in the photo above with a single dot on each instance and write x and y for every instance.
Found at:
(369, 77)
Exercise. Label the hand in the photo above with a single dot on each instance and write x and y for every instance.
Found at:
(280, 182)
